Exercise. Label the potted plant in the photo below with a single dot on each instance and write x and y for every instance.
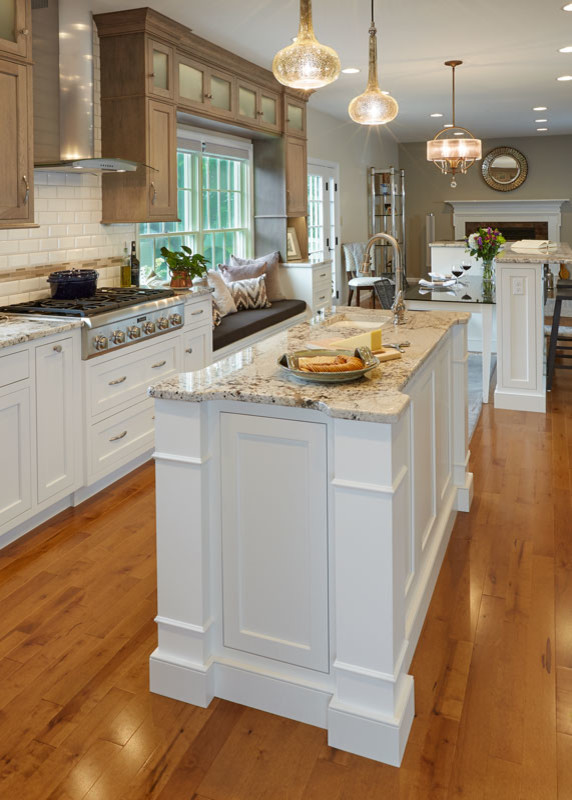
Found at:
(184, 266)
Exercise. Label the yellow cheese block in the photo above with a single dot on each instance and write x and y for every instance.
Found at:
(371, 339)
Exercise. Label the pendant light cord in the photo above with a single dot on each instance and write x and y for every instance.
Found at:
(372, 15)
(453, 68)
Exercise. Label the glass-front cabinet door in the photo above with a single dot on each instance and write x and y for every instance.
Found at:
(160, 63)
(294, 116)
(269, 111)
(221, 93)
(191, 83)
(15, 32)
(247, 105)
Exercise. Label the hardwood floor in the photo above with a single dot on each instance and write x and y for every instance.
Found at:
(493, 668)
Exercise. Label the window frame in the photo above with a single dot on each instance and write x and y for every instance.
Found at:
(206, 139)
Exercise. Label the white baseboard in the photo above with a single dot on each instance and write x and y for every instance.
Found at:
(465, 494)
(514, 401)
(85, 492)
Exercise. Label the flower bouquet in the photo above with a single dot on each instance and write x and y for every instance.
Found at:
(485, 244)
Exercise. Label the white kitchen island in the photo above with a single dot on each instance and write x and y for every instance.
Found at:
(301, 527)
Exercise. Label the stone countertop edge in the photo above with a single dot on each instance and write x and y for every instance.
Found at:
(562, 255)
(253, 376)
(21, 329)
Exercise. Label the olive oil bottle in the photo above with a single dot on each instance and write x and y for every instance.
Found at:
(126, 268)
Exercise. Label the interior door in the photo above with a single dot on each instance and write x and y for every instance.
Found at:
(323, 217)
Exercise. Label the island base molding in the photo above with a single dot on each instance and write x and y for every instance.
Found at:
(353, 729)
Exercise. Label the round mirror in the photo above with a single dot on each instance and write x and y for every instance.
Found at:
(504, 169)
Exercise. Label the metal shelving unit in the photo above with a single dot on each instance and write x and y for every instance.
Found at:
(387, 213)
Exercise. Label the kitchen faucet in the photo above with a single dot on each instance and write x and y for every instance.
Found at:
(398, 306)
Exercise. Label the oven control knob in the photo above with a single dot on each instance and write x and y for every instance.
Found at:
(134, 331)
(162, 323)
(117, 337)
(149, 327)
(175, 319)
(100, 342)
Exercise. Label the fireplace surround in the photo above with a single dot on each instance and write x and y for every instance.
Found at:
(505, 214)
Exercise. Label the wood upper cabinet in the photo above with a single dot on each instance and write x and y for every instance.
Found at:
(160, 70)
(16, 156)
(204, 89)
(162, 156)
(15, 34)
(258, 106)
(294, 116)
(296, 177)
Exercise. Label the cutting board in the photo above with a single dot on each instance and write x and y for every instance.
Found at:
(324, 344)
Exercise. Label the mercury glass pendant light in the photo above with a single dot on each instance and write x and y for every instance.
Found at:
(306, 64)
(453, 155)
(373, 107)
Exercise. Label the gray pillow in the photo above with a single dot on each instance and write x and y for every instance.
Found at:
(272, 261)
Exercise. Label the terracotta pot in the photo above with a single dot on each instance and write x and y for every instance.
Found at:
(180, 280)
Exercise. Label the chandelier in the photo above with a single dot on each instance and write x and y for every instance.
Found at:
(373, 107)
(458, 152)
(306, 64)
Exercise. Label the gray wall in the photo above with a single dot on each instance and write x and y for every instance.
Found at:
(354, 148)
(549, 177)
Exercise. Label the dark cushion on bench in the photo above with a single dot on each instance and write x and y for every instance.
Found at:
(245, 323)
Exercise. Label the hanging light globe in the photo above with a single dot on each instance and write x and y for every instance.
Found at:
(306, 64)
(373, 107)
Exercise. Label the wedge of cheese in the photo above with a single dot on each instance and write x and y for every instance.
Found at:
(371, 339)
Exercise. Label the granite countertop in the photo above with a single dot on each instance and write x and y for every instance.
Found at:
(196, 291)
(458, 243)
(16, 329)
(562, 255)
(253, 375)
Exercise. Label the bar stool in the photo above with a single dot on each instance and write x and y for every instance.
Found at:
(562, 293)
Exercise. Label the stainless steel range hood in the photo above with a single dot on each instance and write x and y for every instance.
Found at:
(63, 90)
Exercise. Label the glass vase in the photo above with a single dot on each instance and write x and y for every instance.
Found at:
(488, 270)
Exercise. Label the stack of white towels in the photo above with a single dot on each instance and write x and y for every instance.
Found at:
(534, 245)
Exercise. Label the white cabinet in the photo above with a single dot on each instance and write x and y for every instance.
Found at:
(309, 282)
(55, 418)
(275, 539)
(15, 449)
(197, 347)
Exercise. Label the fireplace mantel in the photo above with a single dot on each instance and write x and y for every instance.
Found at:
(508, 211)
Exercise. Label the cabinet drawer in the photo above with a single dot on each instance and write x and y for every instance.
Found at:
(322, 296)
(195, 348)
(198, 313)
(121, 437)
(128, 377)
(14, 367)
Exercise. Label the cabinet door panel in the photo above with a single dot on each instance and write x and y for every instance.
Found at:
(269, 112)
(163, 157)
(221, 94)
(274, 538)
(196, 349)
(247, 103)
(55, 418)
(16, 175)
(295, 117)
(15, 28)
(160, 64)
(296, 178)
(15, 464)
(191, 83)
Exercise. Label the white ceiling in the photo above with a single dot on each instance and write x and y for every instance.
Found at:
(509, 49)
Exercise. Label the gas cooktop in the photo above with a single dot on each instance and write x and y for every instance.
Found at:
(103, 301)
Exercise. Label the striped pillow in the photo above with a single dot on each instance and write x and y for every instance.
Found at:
(250, 293)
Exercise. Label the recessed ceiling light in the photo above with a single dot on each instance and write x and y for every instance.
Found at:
(435, 115)
(567, 7)
(564, 78)
(540, 108)
(350, 71)
(448, 125)
(541, 120)
(542, 129)
(458, 133)
(565, 49)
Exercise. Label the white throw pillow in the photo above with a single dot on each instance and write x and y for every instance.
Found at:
(221, 294)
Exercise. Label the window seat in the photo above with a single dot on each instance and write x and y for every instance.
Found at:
(246, 323)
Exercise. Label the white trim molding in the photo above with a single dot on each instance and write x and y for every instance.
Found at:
(508, 211)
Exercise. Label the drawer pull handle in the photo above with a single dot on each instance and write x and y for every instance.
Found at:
(119, 436)
(196, 313)
(57, 348)
(117, 380)
(27, 185)
(158, 364)
(323, 275)
(154, 195)
(189, 350)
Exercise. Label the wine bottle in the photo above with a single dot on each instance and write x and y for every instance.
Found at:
(126, 269)
(134, 263)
